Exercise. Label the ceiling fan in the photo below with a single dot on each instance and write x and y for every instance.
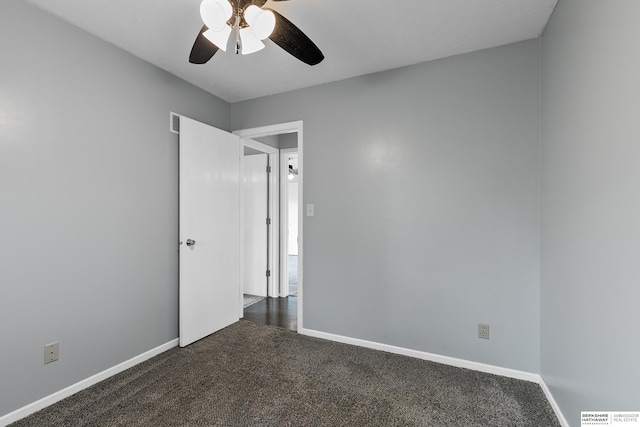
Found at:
(249, 23)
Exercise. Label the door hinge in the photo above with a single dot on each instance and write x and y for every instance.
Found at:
(268, 169)
(268, 273)
(268, 221)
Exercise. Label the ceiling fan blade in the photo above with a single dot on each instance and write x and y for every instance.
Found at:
(202, 50)
(293, 40)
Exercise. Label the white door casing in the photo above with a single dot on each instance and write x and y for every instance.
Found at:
(209, 216)
(285, 220)
(254, 212)
(278, 129)
(274, 213)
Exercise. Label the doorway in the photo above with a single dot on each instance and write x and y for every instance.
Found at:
(289, 194)
(259, 226)
(255, 212)
(283, 306)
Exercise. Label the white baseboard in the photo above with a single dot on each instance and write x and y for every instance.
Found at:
(446, 360)
(554, 404)
(72, 389)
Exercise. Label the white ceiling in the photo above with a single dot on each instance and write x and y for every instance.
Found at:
(357, 37)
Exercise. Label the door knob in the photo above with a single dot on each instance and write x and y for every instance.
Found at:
(191, 242)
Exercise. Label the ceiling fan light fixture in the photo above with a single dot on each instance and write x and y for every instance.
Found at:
(261, 21)
(215, 14)
(226, 6)
(250, 13)
(249, 24)
(219, 38)
(264, 24)
(250, 43)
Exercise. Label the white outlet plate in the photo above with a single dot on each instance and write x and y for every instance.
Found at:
(483, 331)
(51, 352)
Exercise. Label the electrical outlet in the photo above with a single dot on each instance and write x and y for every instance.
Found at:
(483, 331)
(51, 352)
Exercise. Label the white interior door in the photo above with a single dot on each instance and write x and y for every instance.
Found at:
(255, 195)
(209, 230)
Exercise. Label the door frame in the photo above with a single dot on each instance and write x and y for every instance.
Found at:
(279, 129)
(273, 212)
(284, 220)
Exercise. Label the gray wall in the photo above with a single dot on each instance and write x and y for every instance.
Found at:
(285, 140)
(270, 140)
(590, 206)
(288, 140)
(89, 202)
(425, 184)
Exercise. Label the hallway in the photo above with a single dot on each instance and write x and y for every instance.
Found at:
(281, 312)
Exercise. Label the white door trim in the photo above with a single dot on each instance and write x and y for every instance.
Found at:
(274, 213)
(255, 240)
(284, 220)
(278, 129)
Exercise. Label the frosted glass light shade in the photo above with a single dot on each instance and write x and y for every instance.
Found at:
(219, 38)
(250, 43)
(264, 24)
(250, 14)
(226, 6)
(215, 13)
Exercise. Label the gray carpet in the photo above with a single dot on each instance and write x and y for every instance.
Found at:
(257, 375)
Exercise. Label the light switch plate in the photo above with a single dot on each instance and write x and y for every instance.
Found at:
(310, 209)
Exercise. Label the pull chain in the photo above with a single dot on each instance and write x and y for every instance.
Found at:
(237, 28)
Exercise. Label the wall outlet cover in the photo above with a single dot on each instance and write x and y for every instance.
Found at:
(51, 352)
(483, 331)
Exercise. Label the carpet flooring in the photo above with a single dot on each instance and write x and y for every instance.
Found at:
(257, 375)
